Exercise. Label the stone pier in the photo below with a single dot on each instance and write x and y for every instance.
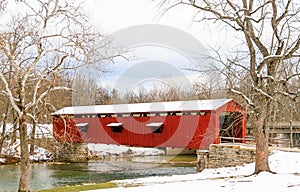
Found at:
(202, 159)
(225, 155)
(75, 152)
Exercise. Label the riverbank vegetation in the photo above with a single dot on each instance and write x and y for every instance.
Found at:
(78, 188)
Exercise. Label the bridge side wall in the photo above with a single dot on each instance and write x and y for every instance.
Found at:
(180, 129)
(187, 131)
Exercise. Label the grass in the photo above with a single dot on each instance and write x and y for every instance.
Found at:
(183, 161)
(78, 188)
(184, 158)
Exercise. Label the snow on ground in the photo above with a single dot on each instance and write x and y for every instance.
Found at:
(234, 179)
(95, 151)
(13, 150)
(42, 130)
(41, 154)
(2, 160)
(102, 150)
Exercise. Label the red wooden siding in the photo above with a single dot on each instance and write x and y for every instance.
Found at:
(177, 131)
(192, 131)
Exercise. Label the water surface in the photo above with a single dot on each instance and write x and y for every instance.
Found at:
(47, 175)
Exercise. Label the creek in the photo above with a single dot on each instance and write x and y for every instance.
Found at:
(50, 175)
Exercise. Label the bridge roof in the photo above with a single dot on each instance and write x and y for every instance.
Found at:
(193, 105)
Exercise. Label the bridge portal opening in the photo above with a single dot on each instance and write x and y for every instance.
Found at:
(231, 126)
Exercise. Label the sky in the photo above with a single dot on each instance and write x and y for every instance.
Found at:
(162, 47)
(113, 15)
(163, 59)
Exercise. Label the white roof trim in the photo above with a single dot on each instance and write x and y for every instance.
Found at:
(81, 124)
(114, 124)
(155, 124)
(194, 105)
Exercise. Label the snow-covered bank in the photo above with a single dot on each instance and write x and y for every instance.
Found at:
(42, 130)
(11, 152)
(285, 164)
(104, 150)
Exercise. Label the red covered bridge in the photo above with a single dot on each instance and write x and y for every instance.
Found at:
(185, 124)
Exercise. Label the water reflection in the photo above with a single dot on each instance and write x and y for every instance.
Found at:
(45, 175)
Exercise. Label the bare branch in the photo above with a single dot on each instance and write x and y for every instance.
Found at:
(9, 94)
(248, 100)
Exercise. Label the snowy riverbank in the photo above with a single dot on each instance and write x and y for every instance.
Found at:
(104, 150)
(11, 152)
(235, 179)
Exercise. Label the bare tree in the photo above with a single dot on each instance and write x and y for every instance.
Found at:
(159, 94)
(40, 42)
(85, 91)
(268, 55)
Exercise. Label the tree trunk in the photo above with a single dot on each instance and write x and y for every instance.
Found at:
(32, 137)
(15, 127)
(4, 123)
(24, 183)
(262, 145)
